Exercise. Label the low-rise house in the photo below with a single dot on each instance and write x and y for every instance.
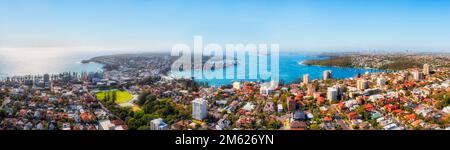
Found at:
(66, 126)
(280, 108)
(222, 124)
(446, 109)
(158, 124)
(269, 107)
(298, 125)
(105, 125)
(352, 115)
(299, 115)
(248, 106)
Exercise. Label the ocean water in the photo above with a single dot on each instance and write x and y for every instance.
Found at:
(41, 62)
(290, 69)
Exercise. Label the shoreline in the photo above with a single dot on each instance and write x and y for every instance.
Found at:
(379, 62)
(4, 76)
(225, 65)
(303, 64)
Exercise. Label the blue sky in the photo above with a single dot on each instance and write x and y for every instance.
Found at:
(159, 24)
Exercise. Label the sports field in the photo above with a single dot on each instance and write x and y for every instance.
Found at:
(121, 96)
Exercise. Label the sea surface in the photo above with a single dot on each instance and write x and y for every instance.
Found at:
(41, 62)
(290, 70)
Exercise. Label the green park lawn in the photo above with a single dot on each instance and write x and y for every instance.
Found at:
(121, 96)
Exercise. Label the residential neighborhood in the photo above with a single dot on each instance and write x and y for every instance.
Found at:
(412, 99)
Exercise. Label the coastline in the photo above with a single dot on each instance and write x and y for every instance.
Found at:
(391, 62)
(109, 61)
(98, 68)
(368, 68)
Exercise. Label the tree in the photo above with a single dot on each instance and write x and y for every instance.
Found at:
(314, 126)
(141, 98)
(338, 127)
(150, 80)
(114, 96)
(147, 118)
(124, 112)
(144, 97)
(143, 128)
(274, 124)
(132, 124)
(138, 114)
(2, 113)
(360, 109)
(106, 99)
(328, 82)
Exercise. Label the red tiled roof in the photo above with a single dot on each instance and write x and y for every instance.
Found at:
(352, 115)
(410, 116)
(298, 97)
(391, 107)
(341, 104)
(397, 111)
(368, 107)
(321, 99)
(408, 84)
(327, 118)
(403, 99)
(298, 125)
(416, 123)
(428, 100)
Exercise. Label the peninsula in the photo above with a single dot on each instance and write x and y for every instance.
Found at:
(384, 61)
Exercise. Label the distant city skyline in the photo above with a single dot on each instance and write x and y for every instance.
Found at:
(306, 25)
